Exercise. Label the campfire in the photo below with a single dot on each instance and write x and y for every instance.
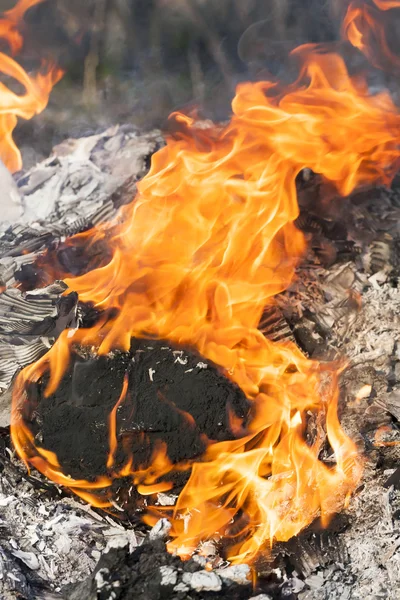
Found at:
(209, 344)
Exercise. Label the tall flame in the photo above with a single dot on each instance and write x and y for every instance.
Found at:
(37, 87)
(208, 242)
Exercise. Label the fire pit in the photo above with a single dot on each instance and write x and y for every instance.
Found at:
(208, 345)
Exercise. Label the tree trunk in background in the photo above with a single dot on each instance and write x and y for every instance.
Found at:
(212, 40)
(196, 73)
(92, 59)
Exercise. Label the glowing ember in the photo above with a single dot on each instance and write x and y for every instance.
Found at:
(208, 242)
(37, 87)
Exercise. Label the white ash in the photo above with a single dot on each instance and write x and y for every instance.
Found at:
(181, 587)
(100, 579)
(72, 189)
(375, 557)
(369, 337)
(82, 174)
(240, 574)
(160, 530)
(315, 582)
(203, 581)
(296, 585)
(368, 334)
(166, 499)
(29, 558)
(207, 555)
(375, 330)
(119, 537)
(104, 585)
(11, 202)
(181, 361)
(61, 539)
(208, 549)
(169, 576)
(373, 544)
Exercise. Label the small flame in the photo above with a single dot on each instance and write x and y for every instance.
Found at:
(113, 424)
(37, 87)
(206, 245)
(379, 438)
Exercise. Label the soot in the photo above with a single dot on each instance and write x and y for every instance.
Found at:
(173, 396)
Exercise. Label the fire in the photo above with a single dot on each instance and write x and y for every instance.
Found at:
(387, 4)
(208, 242)
(381, 433)
(364, 28)
(37, 87)
(113, 425)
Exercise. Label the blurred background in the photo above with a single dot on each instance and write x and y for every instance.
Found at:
(135, 61)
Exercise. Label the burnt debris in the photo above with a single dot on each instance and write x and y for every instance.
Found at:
(345, 302)
(173, 396)
(82, 184)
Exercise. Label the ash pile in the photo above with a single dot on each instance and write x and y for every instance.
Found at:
(345, 302)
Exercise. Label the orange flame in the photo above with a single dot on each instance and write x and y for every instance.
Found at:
(364, 28)
(387, 4)
(208, 242)
(379, 438)
(113, 424)
(37, 87)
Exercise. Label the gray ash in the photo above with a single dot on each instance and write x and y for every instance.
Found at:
(174, 396)
(150, 573)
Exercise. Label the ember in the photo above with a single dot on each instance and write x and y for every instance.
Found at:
(174, 380)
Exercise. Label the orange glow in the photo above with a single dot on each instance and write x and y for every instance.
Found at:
(364, 28)
(37, 87)
(379, 438)
(208, 242)
(387, 4)
(113, 425)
